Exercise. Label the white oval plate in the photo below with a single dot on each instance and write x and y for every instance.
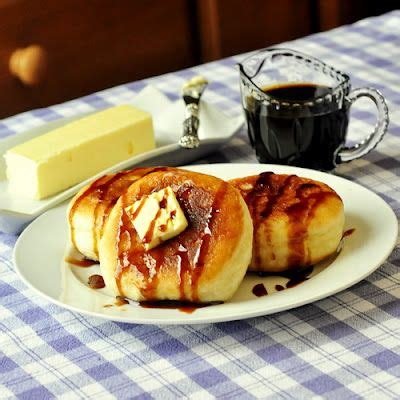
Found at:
(41, 249)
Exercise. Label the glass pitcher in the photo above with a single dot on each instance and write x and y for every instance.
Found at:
(297, 110)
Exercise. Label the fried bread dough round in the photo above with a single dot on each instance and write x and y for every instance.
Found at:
(91, 206)
(297, 221)
(204, 263)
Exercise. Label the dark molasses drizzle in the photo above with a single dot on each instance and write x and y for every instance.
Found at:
(110, 197)
(185, 263)
(121, 301)
(261, 201)
(295, 276)
(80, 262)
(145, 262)
(189, 264)
(299, 215)
(163, 202)
(126, 258)
(307, 198)
(298, 277)
(206, 239)
(106, 195)
(96, 282)
(349, 232)
(146, 267)
(182, 306)
(102, 186)
(253, 200)
(184, 269)
(274, 195)
(264, 197)
(259, 290)
(150, 231)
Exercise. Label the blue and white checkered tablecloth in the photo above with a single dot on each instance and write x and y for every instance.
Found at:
(346, 346)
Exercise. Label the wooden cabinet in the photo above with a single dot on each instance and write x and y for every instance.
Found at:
(62, 49)
(89, 45)
(230, 27)
(333, 13)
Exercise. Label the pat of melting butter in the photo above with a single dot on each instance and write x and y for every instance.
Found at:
(157, 217)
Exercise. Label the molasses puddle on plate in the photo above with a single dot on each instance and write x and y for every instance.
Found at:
(292, 278)
(80, 262)
(348, 232)
(259, 290)
(96, 282)
(182, 306)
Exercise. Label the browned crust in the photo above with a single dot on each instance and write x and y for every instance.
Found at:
(280, 193)
(300, 205)
(209, 204)
(91, 206)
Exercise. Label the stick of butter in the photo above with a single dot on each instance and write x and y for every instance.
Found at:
(68, 155)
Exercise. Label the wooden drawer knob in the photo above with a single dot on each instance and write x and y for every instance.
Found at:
(29, 64)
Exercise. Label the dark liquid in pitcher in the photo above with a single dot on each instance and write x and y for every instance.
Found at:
(306, 141)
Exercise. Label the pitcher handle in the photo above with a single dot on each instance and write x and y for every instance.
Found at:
(346, 154)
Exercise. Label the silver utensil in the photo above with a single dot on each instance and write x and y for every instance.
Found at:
(191, 93)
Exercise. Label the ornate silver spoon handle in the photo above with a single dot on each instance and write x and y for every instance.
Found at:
(191, 93)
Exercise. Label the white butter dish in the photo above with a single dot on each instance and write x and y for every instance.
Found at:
(216, 128)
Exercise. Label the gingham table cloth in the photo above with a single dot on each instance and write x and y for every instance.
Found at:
(343, 347)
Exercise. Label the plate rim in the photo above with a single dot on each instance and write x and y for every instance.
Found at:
(192, 319)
